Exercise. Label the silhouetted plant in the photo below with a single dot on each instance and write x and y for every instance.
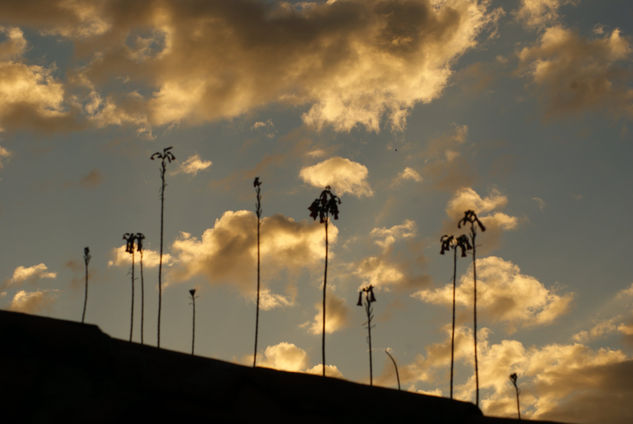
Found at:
(192, 292)
(369, 299)
(322, 207)
(513, 379)
(86, 260)
(470, 217)
(395, 366)
(258, 211)
(450, 242)
(166, 156)
(139, 248)
(129, 248)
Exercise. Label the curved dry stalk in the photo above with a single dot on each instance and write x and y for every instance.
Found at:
(395, 366)
(258, 211)
(322, 207)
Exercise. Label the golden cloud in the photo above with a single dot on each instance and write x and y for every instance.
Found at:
(574, 73)
(24, 274)
(538, 13)
(343, 175)
(336, 315)
(504, 294)
(192, 165)
(33, 302)
(290, 357)
(119, 257)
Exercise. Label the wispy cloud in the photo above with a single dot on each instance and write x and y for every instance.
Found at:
(29, 274)
(192, 165)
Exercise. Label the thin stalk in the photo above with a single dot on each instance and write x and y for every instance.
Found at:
(371, 368)
(142, 298)
(160, 259)
(258, 213)
(395, 366)
(193, 326)
(473, 236)
(132, 308)
(324, 291)
(518, 406)
(453, 324)
(83, 314)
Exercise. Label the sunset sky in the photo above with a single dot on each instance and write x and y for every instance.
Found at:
(412, 110)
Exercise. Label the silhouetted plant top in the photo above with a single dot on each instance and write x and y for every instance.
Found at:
(470, 217)
(192, 292)
(139, 241)
(369, 295)
(513, 379)
(257, 183)
(166, 155)
(451, 242)
(324, 205)
(87, 255)
(129, 242)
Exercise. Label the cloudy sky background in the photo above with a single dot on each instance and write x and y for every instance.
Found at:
(413, 110)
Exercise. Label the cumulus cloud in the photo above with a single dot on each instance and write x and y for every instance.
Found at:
(352, 63)
(538, 13)
(23, 274)
(14, 45)
(574, 73)
(336, 315)
(407, 174)
(343, 175)
(120, 258)
(504, 294)
(227, 252)
(4, 154)
(32, 302)
(290, 357)
(386, 237)
(330, 371)
(192, 165)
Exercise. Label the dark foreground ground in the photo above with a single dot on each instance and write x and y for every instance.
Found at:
(61, 371)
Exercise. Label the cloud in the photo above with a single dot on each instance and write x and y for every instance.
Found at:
(336, 315)
(350, 63)
(574, 74)
(539, 202)
(409, 174)
(22, 274)
(92, 179)
(343, 175)
(192, 165)
(14, 45)
(504, 294)
(538, 13)
(598, 330)
(227, 252)
(386, 237)
(4, 154)
(290, 357)
(33, 302)
(120, 258)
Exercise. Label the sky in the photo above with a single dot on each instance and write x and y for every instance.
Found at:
(413, 111)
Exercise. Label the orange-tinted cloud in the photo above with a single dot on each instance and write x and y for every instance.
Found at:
(343, 175)
(538, 13)
(33, 302)
(336, 315)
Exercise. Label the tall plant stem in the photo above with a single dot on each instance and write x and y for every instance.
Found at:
(473, 236)
(324, 291)
(142, 299)
(371, 368)
(160, 259)
(453, 324)
(193, 324)
(516, 388)
(132, 308)
(258, 286)
(83, 314)
(395, 366)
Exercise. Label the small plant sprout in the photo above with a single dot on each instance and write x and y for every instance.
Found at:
(139, 248)
(86, 261)
(257, 183)
(513, 380)
(470, 217)
(166, 156)
(369, 299)
(323, 207)
(450, 242)
(129, 248)
(192, 293)
(394, 365)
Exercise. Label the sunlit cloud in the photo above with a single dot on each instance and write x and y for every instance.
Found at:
(574, 73)
(343, 175)
(192, 165)
(4, 155)
(32, 302)
(29, 274)
(386, 237)
(286, 356)
(14, 45)
(407, 174)
(120, 258)
(330, 371)
(504, 295)
(538, 13)
(336, 317)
